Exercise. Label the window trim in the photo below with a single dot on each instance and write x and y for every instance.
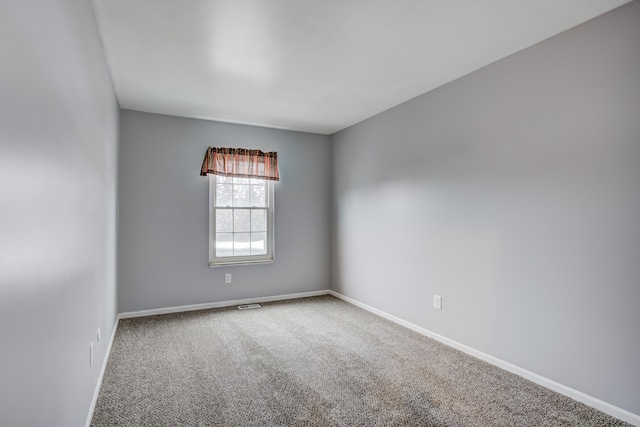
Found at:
(268, 258)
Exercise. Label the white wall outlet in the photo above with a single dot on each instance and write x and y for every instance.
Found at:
(98, 335)
(437, 302)
(91, 354)
(227, 278)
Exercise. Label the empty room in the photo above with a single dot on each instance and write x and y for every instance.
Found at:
(319, 213)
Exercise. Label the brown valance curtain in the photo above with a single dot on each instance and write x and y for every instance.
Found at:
(240, 162)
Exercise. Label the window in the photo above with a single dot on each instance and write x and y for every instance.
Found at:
(241, 215)
(240, 204)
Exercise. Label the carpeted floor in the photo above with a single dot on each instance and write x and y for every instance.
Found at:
(311, 362)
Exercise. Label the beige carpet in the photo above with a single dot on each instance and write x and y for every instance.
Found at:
(311, 362)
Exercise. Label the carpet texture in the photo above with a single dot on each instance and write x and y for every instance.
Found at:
(311, 362)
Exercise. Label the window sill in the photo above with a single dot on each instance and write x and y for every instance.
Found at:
(234, 263)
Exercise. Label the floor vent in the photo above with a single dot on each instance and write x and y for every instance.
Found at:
(248, 306)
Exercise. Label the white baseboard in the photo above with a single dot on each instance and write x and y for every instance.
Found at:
(598, 404)
(102, 369)
(229, 303)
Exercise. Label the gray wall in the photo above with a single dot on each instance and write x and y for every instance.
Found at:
(58, 153)
(163, 243)
(514, 193)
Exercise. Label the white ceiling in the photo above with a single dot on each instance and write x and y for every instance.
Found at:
(311, 65)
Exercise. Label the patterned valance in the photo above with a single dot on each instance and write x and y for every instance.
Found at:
(240, 162)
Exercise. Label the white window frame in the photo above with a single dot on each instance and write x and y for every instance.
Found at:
(267, 258)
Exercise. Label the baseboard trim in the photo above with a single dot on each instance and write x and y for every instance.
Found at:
(220, 304)
(102, 369)
(598, 404)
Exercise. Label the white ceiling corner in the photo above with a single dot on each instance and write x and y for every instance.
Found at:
(311, 65)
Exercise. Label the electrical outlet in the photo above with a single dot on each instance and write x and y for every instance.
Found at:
(91, 354)
(437, 302)
(227, 278)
